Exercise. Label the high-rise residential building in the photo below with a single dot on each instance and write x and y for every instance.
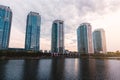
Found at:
(5, 26)
(99, 41)
(84, 39)
(32, 38)
(57, 42)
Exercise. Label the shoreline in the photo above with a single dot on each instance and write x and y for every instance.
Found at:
(10, 55)
(50, 57)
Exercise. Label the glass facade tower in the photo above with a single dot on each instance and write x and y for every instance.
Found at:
(5, 26)
(32, 39)
(84, 39)
(99, 41)
(57, 43)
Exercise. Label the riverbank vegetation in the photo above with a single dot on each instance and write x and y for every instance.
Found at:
(12, 54)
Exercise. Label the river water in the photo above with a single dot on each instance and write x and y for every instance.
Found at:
(60, 69)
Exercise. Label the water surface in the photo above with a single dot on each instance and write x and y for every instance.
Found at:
(60, 69)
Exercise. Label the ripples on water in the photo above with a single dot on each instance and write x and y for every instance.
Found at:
(60, 69)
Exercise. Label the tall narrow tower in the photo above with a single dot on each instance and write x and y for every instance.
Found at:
(5, 26)
(57, 43)
(84, 39)
(32, 39)
(99, 40)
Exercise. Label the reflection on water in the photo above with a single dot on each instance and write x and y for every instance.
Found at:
(2, 69)
(30, 69)
(13, 70)
(57, 69)
(44, 69)
(60, 69)
(71, 69)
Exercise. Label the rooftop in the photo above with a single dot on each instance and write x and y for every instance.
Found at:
(33, 13)
(99, 29)
(5, 7)
(58, 21)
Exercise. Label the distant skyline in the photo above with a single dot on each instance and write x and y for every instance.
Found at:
(99, 13)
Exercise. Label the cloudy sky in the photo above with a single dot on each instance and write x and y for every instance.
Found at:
(100, 13)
